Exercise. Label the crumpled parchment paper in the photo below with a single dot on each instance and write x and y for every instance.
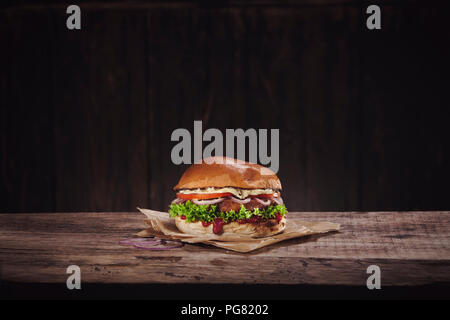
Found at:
(162, 226)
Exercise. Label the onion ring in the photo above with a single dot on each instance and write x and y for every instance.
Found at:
(178, 200)
(207, 202)
(278, 200)
(264, 203)
(241, 201)
(162, 245)
(133, 241)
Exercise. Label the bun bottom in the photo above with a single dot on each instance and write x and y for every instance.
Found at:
(249, 230)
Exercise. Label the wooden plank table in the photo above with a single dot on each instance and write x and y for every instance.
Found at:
(411, 248)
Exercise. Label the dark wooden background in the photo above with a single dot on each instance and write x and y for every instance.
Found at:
(86, 116)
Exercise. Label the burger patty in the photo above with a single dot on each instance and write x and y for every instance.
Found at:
(228, 205)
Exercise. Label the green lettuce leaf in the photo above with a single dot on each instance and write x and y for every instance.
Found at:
(208, 213)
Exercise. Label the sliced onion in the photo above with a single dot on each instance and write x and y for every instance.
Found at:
(278, 200)
(178, 200)
(133, 241)
(264, 203)
(202, 202)
(241, 201)
(162, 245)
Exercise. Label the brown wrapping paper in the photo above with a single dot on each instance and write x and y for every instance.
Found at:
(160, 225)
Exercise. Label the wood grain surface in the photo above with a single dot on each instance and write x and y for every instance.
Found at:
(411, 248)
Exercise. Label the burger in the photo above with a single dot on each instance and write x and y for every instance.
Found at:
(225, 196)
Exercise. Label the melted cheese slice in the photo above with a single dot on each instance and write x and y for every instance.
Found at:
(239, 193)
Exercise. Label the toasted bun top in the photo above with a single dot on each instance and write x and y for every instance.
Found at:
(222, 172)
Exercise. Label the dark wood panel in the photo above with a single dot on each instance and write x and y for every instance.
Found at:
(307, 86)
(262, 68)
(177, 90)
(362, 114)
(100, 112)
(403, 97)
(26, 112)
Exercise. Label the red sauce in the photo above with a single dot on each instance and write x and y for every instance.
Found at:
(218, 226)
(254, 219)
(183, 217)
(218, 222)
(205, 224)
